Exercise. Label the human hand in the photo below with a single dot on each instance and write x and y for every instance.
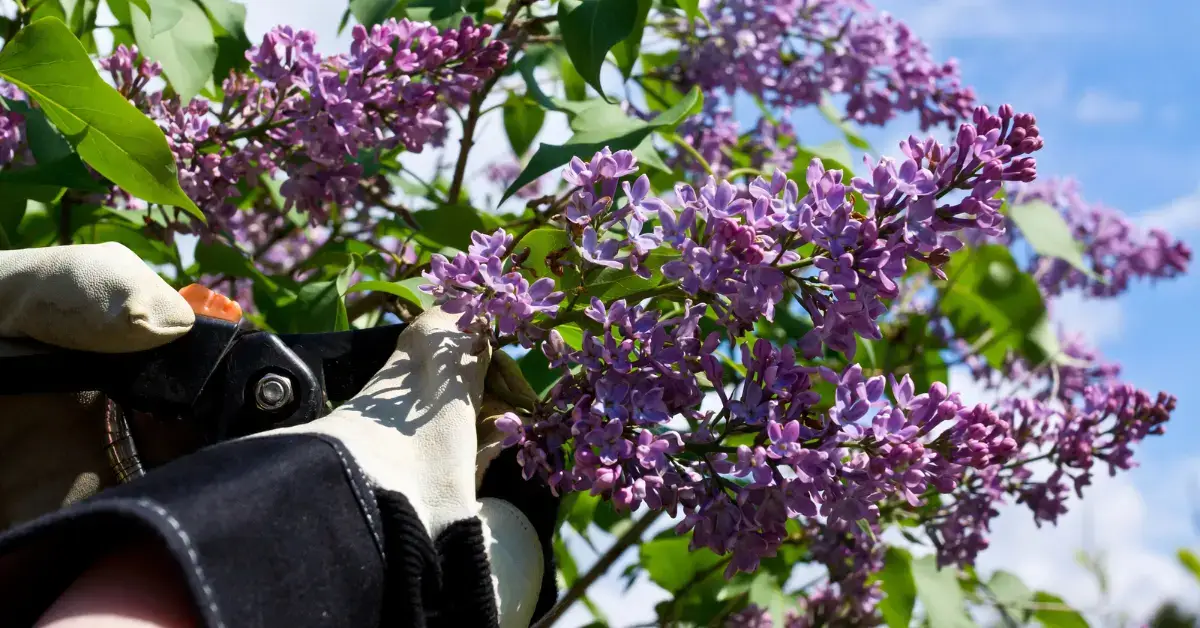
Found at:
(90, 297)
(413, 429)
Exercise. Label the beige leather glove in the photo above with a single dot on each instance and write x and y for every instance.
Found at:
(412, 429)
(92, 297)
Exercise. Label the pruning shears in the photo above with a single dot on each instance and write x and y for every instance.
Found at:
(224, 377)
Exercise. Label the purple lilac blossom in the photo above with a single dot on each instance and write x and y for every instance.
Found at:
(304, 119)
(1116, 249)
(843, 47)
(477, 286)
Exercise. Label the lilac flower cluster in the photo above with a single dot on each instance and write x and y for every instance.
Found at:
(738, 247)
(769, 455)
(1070, 420)
(12, 126)
(483, 288)
(313, 121)
(790, 52)
(1117, 250)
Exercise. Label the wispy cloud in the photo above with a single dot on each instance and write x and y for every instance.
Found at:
(1097, 320)
(1100, 107)
(1181, 214)
(950, 20)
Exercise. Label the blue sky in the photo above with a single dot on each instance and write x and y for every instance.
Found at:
(1114, 92)
(1113, 85)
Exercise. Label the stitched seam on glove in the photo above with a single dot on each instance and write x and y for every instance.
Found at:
(361, 488)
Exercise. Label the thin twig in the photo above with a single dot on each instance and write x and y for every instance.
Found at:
(474, 112)
(631, 537)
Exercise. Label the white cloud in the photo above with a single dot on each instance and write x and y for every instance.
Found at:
(948, 20)
(1181, 214)
(1100, 107)
(1133, 534)
(1098, 320)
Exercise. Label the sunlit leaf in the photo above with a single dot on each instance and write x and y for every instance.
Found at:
(187, 50)
(590, 28)
(586, 143)
(940, 594)
(1048, 233)
(50, 65)
(899, 589)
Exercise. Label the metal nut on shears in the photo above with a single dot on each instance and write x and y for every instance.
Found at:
(272, 392)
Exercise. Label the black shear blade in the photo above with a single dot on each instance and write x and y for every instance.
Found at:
(345, 361)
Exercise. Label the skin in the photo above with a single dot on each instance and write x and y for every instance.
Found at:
(138, 587)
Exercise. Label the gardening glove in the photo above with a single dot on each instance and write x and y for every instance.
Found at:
(90, 297)
(412, 430)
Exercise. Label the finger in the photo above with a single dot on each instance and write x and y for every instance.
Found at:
(515, 554)
(90, 297)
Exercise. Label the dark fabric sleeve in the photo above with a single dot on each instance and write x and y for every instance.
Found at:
(279, 531)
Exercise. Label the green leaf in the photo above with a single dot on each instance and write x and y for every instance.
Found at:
(586, 143)
(372, 12)
(229, 15)
(1048, 234)
(187, 50)
(766, 591)
(590, 28)
(536, 370)
(541, 242)
(574, 86)
(110, 134)
(1190, 562)
(12, 210)
(899, 589)
(1061, 617)
(522, 121)
(940, 594)
(565, 561)
(997, 307)
(582, 511)
(831, 113)
(449, 225)
(151, 251)
(671, 565)
(67, 172)
(215, 258)
(1011, 595)
(612, 283)
(319, 304)
(526, 65)
(408, 289)
(691, 8)
(627, 51)
(571, 334)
